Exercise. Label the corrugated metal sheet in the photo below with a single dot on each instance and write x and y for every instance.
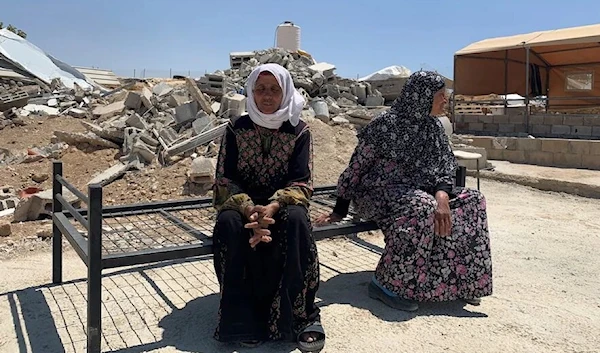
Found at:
(102, 77)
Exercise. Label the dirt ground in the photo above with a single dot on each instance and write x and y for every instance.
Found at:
(333, 147)
(545, 259)
(546, 285)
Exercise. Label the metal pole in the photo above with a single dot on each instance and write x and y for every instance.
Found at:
(527, 89)
(56, 233)
(170, 73)
(94, 290)
(505, 82)
(453, 101)
(134, 73)
(547, 86)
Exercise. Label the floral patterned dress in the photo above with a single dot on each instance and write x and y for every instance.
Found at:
(268, 292)
(402, 159)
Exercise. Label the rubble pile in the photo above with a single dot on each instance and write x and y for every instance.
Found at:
(329, 97)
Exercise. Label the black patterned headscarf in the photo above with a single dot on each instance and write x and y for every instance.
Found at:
(410, 135)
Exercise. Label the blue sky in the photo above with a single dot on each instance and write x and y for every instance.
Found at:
(359, 37)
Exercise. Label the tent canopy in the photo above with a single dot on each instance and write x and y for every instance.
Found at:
(564, 64)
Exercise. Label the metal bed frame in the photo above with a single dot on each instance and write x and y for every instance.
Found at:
(115, 236)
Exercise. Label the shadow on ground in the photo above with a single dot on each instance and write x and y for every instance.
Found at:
(52, 318)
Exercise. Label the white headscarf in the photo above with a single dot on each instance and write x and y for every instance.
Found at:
(291, 104)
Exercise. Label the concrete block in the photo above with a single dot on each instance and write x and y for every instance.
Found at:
(162, 89)
(201, 123)
(521, 128)
(461, 127)
(476, 127)
(541, 130)
(483, 142)
(579, 147)
(133, 100)
(535, 120)
(202, 170)
(540, 158)
(233, 105)
(186, 112)
(490, 128)
(560, 130)
(528, 144)
(516, 119)
(176, 100)
(553, 120)
(500, 119)
(31, 208)
(514, 156)
(594, 147)
(374, 101)
(555, 145)
(590, 162)
(471, 118)
(584, 131)
(591, 120)
(572, 120)
(487, 119)
(569, 160)
(495, 154)
(9, 203)
(596, 131)
(506, 128)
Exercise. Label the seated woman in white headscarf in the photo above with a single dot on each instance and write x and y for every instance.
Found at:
(265, 257)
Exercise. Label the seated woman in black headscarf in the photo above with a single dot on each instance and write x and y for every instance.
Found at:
(264, 254)
(437, 245)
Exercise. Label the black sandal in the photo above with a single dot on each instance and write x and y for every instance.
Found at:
(314, 346)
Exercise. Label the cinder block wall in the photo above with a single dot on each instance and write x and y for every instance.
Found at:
(549, 152)
(545, 125)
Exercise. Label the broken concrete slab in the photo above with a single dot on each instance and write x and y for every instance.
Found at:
(110, 174)
(177, 99)
(198, 140)
(339, 120)
(78, 113)
(137, 121)
(41, 109)
(197, 95)
(186, 112)
(162, 89)
(202, 122)
(90, 138)
(108, 111)
(108, 133)
(133, 100)
(147, 153)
